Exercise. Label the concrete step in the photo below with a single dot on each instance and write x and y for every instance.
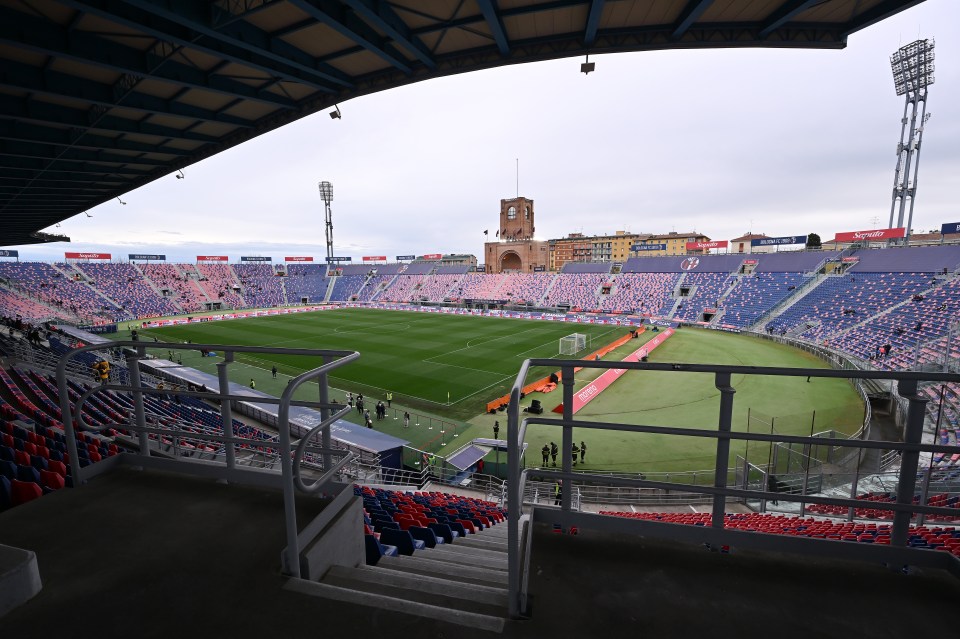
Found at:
(475, 541)
(395, 604)
(429, 590)
(469, 557)
(445, 569)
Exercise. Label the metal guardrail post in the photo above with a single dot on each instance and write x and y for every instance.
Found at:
(514, 496)
(325, 439)
(724, 425)
(909, 460)
(67, 419)
(133, 365)
(226, 410)
(567, 438)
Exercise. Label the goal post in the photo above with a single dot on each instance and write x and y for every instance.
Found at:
(573, 344)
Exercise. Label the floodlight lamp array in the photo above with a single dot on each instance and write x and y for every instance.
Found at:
(326, 192)
(912, 66)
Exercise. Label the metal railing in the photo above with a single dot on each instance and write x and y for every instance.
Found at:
(719, 491)
(291, 448)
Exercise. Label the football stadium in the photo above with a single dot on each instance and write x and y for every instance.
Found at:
(584, 435)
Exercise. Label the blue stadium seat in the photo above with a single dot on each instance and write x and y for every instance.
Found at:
(5, 498)
(8, 469)
(444, 531)
(375, 550)
(425, 535)
(402, 539)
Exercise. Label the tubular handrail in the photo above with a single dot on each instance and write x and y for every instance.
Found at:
(291, 458)
(720, 489)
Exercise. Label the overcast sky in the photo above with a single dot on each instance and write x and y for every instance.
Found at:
(782, 142)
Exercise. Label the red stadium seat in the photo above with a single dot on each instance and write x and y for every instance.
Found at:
(23, 491)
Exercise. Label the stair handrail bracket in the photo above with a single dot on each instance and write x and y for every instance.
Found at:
(290, 450)
(716, 534)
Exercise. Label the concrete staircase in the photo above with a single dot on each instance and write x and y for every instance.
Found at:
(463, 583)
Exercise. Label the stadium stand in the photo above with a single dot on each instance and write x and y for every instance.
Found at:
(578, 290)
(527, 287)
(705, 292)
(183, 290)
(754, 294)
(644, 293)
(219, 282)
(52, 287)
(259, 285)
(306, 282)
(124, 284)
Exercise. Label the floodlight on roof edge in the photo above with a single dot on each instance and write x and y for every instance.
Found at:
(118, 200)
(180, 174)
(335, 114)
(912, 67)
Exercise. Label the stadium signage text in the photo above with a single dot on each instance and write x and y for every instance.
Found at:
(333, 260)
(648, 247)
(539, 269)
(774, 241)
(87, 256)
(255, 258)
(374, 258)
(9, 253)
(303, 258)
(950, 228)
(698, 246)
(481, 269)
(750, 262)
(850, 260)
(406, 258)
(211, 258)
(433, 256)
(145, 256)
(872, 235)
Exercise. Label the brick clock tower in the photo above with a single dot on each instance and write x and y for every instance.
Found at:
(516, 249)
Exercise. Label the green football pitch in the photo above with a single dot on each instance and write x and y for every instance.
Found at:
(421, 357)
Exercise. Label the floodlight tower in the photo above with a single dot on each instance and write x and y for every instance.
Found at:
(326, 192)
(912, 67)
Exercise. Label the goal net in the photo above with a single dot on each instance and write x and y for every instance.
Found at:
(573, 344)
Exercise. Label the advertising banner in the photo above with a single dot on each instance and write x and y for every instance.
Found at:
(406, 258)
(481, 269)
(87, 256)
(255, 258)
(539, 269)
(374, 258)
(702, 246)
(433, 256)
(334, 260)
(949, 228)
(850, 260)
(750, 262)
(776, 241)
(145, 256)
(871, 236)
(9, 253)
(211, 258)
(648, 247)
(302, 258)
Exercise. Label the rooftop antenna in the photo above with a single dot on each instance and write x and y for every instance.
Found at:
(518, 178)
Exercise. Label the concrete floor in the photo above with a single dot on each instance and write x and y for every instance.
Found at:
(147, 554)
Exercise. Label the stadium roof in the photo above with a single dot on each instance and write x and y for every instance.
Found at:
(100, 97)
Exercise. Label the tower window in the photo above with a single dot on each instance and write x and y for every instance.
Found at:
(512, 213)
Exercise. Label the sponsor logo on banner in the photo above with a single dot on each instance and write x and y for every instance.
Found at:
(689, 263)
(9, 253)
(304, 258)
(333, 260)
(698, 246)
(774, 241)
(406, 258)
(374, 258)
(871, 236)
(144, 256)
(433, 256)
(849, 260)
(481, 269)
(211, 258)
(648, 247)
(87, 256)
(749, 262)
(539, 269)
(950, 228)
(256, 258)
